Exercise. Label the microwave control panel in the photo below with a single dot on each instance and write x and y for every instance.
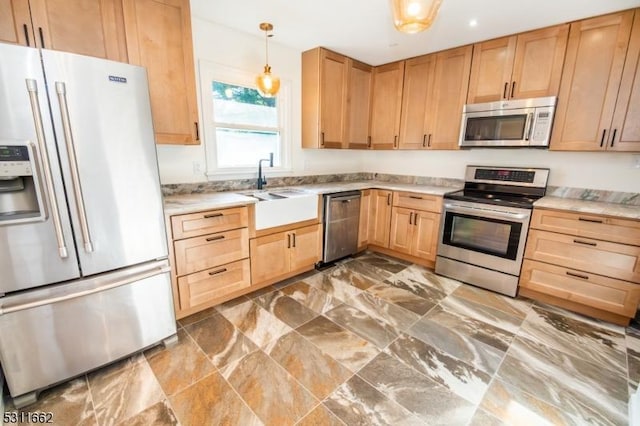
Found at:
(542, 126)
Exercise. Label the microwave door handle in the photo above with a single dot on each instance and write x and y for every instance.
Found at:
(529, 127)
(456, 208)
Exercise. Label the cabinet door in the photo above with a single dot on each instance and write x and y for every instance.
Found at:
(425, 235)
(537, 66)
(626, 122)
(333, 99)
(401, 238)
(306, 247)
(365, 214)
(418, 81)
(491, 70)
(380, 217)
(590, 80)
(270, 256)
(451, 79)
(384, 125)
(359, 104)
(86, 27)
(15, 23)
(159, 38)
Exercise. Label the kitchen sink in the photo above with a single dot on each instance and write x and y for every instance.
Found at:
(266, 196)
(283, 206)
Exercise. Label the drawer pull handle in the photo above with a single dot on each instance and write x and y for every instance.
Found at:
(415, 197)
(571, 274)
(209, 216)
(584, 219)
(586, 243)
(219, 271)
(217, 237)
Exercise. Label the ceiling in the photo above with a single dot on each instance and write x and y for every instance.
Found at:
(363, 30)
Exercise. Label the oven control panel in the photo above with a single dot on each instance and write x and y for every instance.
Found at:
(506, 175)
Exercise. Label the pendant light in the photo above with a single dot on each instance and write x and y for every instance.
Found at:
(268, 84)
(413, 16)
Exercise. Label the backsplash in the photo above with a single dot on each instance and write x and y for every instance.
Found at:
(626, 198)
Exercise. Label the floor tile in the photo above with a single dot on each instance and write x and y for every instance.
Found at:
(384, 262)
(320, 416)
(220, 340)
(338, 283)
(422, 281)
(430, 401)
(315, 370)
(372, 329)
(633, 364)
(159, 414)
(358, 403)
(179, 366)
(124, 389)
(340, 344)
(565, 381)
(256, 323)
(482, 418)
(211, 401)
(632, 341)
(272, 393)
(480, 312)
(401, 297)
(379, 309)
(286, 309)
(516, 307)
(199, 316)
(459, 377)
(595, 344)
(314, 299)
(597, 323)
(368, 270)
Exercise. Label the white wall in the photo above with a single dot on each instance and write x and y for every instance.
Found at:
(224, 46)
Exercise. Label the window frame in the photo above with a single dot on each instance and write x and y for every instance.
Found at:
(209, 72)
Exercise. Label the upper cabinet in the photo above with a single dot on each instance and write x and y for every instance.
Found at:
(87, 27)
(358, 104)
(384, 121)
(599, 100)
(522, 66)
(158, 34)
(324, 99)
(435, 88)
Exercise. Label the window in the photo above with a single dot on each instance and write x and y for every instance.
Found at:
(241, 127)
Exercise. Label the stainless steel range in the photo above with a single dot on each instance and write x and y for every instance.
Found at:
(484, 226)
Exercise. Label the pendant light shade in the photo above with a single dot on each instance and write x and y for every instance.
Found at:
(268, 84)
(413, 16)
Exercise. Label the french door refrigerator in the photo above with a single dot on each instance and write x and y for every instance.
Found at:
(84, 273)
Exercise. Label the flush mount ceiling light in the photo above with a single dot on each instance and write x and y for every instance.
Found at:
(268, 85)
(413, 16)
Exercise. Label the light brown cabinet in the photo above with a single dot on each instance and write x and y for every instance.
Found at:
(358, 104)
(526, 65)
(281, 255)
(380, 217)
(599, 91)
(363, 224)
(324, 98)
(586, 263)
(87, 27)
(386, 103)
(158, 37)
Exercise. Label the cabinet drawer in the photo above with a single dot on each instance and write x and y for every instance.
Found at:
(201, 287)
(623, 231)
(584, 254)
(196, 224)
(608, 294)
(412, 200)
(199, 253)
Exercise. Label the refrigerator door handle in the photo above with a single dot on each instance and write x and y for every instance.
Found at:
(61, 90)
(32, 88)
(137, 276)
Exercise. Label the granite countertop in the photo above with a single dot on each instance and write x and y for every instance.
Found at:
(591, 207)
(191, 203)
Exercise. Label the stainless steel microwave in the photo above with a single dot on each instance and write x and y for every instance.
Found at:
(514, 123)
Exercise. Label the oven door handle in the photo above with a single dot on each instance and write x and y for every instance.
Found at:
(457, 208)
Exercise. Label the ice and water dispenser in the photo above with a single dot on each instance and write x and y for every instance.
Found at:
(21, 197)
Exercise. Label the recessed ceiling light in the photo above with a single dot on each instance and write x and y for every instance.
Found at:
(473, 23)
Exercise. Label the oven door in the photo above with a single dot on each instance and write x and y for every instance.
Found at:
(484, 235)
(511, 127)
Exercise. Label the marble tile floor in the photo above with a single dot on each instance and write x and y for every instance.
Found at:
(371, 341)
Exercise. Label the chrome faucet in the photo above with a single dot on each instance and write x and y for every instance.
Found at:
(261, 179)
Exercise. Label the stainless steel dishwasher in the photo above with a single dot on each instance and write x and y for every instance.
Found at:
(341, 218)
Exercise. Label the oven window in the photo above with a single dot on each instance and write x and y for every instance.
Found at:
(491, 236)
(496, 128)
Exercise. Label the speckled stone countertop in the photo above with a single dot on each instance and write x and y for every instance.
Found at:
(184, 204)
(592, 207)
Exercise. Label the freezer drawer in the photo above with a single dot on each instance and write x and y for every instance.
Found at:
(51, 335)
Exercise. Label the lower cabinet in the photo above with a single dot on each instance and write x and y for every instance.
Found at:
(277, 256)
(380, 217)
(414, 232)
(363, 223)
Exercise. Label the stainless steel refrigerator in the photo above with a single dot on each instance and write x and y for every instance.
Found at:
(83, 255)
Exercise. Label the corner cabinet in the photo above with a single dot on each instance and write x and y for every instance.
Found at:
(602, 55)
(158, 34)
(522, 66)
(384, 122)
(93, 28)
